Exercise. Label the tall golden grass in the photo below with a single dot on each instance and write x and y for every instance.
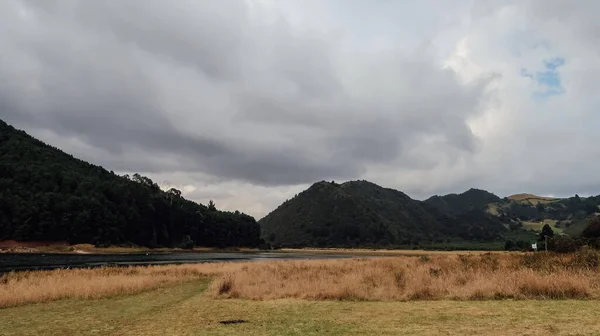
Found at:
(20, 288)
(472, 277)
(456, 277)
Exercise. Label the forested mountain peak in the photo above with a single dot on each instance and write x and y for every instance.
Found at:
(361, 213)
(472, 199)
(46, 194)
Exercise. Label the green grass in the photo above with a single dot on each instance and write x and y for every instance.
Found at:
(537, 226)
(576, 227)
(185, 310)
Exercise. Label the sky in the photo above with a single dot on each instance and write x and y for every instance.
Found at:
(249, 102)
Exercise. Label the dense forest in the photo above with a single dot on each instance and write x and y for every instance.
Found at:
(46, 194)
(361, 214)
(470, 200)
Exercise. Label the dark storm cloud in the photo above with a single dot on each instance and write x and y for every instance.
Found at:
(196, 86)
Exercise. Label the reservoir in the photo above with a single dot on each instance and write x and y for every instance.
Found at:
(37, 261)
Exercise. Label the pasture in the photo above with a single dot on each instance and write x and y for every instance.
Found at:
(500, 294)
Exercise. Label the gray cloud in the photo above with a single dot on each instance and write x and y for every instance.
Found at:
(248, 102)
(205, 88)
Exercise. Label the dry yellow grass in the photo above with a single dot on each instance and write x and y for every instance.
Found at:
(41, 286)
(454, 277)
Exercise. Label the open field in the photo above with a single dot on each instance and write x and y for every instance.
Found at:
(537, 226)
(436, 294)
(436, 277)
(533, 199)
(186, 309)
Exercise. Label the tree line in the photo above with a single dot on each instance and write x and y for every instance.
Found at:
(48, 195)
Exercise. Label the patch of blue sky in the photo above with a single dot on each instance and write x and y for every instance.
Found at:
(549, 79)
(554, 63)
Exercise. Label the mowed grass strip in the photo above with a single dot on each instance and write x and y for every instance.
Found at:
(186, 309)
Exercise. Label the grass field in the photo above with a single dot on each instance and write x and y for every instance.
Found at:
(186, 309)
(539, 225)
(533, 199)
(438, 294)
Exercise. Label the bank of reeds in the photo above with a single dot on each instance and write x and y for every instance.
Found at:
(454, 277)
(458, 277)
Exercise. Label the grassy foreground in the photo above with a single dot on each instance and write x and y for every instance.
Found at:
(495, 294)
(186, 309)
(402, 278)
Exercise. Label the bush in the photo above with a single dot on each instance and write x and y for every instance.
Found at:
(564, 244)
(509, 245)
(593, 229)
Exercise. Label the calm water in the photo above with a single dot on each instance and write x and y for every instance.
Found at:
(31, 261)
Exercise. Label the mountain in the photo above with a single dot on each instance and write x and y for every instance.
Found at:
(472, 199)
(360, 213)
(48, 195)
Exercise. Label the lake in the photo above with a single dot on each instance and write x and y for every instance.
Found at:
(35, 261)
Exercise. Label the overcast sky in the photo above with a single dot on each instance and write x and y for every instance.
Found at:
(249, 102)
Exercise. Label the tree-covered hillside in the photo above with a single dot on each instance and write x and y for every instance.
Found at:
(360, 213)
(46, 194)
(472, 199)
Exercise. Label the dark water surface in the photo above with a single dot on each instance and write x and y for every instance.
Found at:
(33, 261)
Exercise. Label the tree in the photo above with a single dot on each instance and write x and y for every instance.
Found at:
(522, 245)
(547, 232)
(509, 245)
(593, 229)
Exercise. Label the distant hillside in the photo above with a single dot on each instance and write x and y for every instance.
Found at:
(534, 199)
(472, 199)
(564, 215)
(48, 195)
(360, 213)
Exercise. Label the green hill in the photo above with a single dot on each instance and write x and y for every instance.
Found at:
(472, 199)
(360, 213)
(48, 195)
(564, 215)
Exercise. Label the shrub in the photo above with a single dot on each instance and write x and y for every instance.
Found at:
(564, 244)
(593, 228)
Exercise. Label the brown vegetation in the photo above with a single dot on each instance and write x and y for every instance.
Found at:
(455, 277)
(458, 277)
(20, 288)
